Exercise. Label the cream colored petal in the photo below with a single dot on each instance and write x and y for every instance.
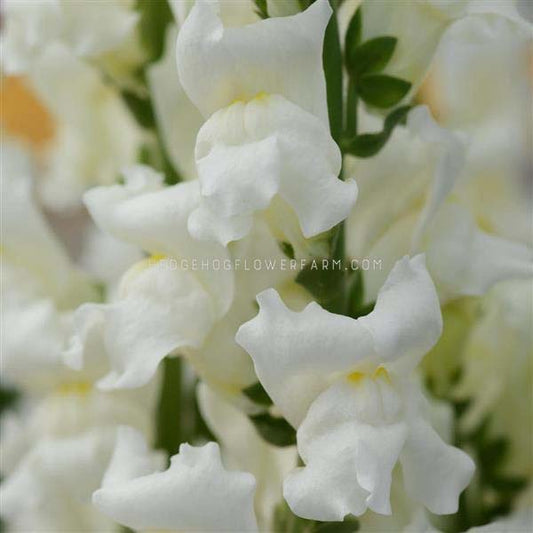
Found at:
(218, 65)
(195, 493)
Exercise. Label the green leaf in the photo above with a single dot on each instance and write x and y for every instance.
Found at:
(380, 90)
(509, 484)
(352, 38)
(276, 431)
(287, 249)
(155, 15)
(262, 8)
(257, 394)
(332, 62)
(371, 57)
(369, 144)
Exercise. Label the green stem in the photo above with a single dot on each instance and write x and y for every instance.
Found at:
(351, 109)
(169, 423)
(333, 70)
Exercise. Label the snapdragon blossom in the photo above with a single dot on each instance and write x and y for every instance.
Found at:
(348, 387)
(266, 142)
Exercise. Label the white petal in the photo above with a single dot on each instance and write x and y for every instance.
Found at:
(406, 319)
(51, 487)
(349, 462)
(244, 449)
(81, 105)
(421, 164)
(249, 152)
(415, 49)
(296, 355)
(28, 25)
(33, 336)
(131, 459)
(195, 493)
(153, 217)
(105, 257)
(449, 162)
(93, 28)
(435, 473)
(467, 261)
(163, 310)
(218, 65)
(28, 243)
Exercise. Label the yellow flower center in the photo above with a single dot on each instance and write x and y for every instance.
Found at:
(74, 388)
(379, 373)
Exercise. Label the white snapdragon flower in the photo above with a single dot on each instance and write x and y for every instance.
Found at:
(433, 20)
(424, 164)
(50, 491)
(415, 49)
(178, 118)
(196, 493)
(497, 373)
(188, 297)
(40, 284)
(266, 143)
(492, 114)
(89, 29)
(348, 386)
(243, 449)
(161, 306)
(55, 453)
(82, 106)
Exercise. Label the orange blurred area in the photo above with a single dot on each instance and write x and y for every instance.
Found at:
(22, 115)
(428, 94)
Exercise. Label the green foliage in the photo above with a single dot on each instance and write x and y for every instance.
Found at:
(141, 109)
(332, 62)
(380, 90)
(349, 525)
(326, 283)
(287, 249)
(352, 38)
(355, 306)
(369, 144)
(370, 57)
(262, 8)
(493, 492)
(490, 453)
(365, 62)
(8, 398)
(258, 394)
(155, 16)
(276, 431)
